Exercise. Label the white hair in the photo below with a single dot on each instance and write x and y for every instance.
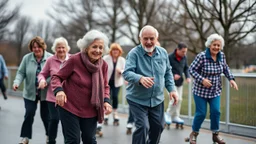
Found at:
(89, 37)
(214, 37)
(146, 27)
(58, 41)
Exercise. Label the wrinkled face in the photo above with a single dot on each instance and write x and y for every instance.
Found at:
(38, 51)
(182, 52)
(148, 39)
(61, 49)
(115, 53)
(95, 50)
(215, 47)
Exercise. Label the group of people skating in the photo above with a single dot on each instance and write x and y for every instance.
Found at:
(81, 90)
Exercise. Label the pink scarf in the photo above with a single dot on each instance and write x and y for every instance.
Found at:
(97, 84)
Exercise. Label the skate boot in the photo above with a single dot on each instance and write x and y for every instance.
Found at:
(116, 119)
(192, 137)
(168, 120)
(106, 120)
(217, 139)
(24, 141)
(179, 122)
(129, 128)
(98, 130)
(5, 96)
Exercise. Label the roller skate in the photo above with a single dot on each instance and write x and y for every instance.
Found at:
(217, 139)
(179, 122)
(106, 120)
(98, 130)
(116, 119)
(192, 137)
(168, 120)
(129, 128)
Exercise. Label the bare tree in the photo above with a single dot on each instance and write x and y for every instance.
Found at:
(139, 13)
(74, 18)
(234, 20)
(6, 16)
(20, 35)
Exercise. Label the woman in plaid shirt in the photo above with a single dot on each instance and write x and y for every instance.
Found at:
(206, 70)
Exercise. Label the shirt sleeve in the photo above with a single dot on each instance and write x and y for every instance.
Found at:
(106, 86)
(196, 67)
(45, 73)
(4, 67)
(21, 73)
(63, 74)
(186, 69)
(226, 69)
(169, 80)
(130, 69)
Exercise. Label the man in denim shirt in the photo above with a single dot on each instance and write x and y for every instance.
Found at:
(147, 71)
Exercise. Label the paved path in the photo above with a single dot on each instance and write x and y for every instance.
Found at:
(11, 118)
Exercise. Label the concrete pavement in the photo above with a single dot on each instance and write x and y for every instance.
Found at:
(11, 118)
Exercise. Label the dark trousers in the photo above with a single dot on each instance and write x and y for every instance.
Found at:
(53, 122)
(114, 94)
(30, 107)
(149, 123)
(74, 126)
(130, 118)
(2, 86)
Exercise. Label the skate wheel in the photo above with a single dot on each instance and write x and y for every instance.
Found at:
(186, 139)
(177, 126)
(181, 127)
(129, 131)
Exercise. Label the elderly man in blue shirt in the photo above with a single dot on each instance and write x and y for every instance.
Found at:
(147, 71)
(3, 74)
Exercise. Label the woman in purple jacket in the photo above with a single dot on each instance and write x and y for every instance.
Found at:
(82, 91)
(53, 64)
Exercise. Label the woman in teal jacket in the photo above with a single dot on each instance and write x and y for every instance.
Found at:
(31, 65)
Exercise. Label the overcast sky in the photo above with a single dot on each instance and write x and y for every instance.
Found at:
(34, 8)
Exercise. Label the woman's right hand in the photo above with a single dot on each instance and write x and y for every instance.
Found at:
(207, 83)
(15, 87)
(42, 84)
(61, 98)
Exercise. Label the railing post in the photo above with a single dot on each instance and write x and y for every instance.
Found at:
(190, 102)
(227, 104)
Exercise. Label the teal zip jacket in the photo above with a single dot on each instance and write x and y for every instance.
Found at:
(27, 72)
(138, 64)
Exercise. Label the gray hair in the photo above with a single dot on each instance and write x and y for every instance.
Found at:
(89, 37)
(60, 40)
(214, 37)
(148, 26)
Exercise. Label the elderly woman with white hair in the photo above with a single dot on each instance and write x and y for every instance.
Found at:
(206, 70)
(82, 91)
(53, 64)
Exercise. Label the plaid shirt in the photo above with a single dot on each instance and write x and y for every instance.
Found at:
(205, 67)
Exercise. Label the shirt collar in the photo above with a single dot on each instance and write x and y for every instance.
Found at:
(208, 55)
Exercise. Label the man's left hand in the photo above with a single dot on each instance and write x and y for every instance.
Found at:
(107, 108)
(173, 95)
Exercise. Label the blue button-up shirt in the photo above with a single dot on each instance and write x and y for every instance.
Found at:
(3, 68)
(139, 64)
(205, 67)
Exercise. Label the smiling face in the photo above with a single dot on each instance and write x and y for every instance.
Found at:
(148, 39)
(95, 50)
(61, 50)
(115, 53)
(38, 51)
(215, 47)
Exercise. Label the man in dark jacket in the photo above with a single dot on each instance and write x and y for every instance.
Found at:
(178, 61)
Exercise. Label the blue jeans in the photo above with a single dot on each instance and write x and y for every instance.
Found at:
(201, 110)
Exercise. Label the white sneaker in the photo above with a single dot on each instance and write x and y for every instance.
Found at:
(129, 125)
(99, 125)
(177, 120)
(24, 141)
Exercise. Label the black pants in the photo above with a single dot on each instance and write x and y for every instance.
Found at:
(149, 123)
(31, 106)
(2, 86)
(74, 127)
(114, 94)
(53, 122)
